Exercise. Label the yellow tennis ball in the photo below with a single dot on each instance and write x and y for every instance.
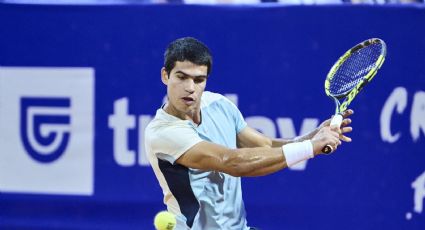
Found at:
(164, 221)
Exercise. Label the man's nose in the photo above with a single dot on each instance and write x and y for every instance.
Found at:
(190, 86)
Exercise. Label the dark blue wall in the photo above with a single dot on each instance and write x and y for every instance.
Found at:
(274, 59)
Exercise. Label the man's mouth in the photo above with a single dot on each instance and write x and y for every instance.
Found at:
(188, 100)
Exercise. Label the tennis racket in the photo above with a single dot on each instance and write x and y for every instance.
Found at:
(353, 71)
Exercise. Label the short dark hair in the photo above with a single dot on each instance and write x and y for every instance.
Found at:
(187, 49)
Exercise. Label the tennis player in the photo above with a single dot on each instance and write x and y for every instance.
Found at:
(199, 145)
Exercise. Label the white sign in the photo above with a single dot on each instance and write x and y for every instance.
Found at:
(46, 135)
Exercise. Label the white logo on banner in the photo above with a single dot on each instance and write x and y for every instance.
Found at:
(396, 105)
(46, 140)
(120, 122)
(419, 195)
(45, 127)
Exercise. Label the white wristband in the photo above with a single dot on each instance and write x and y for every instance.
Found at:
(297, 152)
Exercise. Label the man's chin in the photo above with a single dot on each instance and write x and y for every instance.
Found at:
(185, 109)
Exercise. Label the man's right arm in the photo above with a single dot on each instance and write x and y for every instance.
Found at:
(247, 161)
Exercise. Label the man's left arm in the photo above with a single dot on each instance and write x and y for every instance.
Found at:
(249, 137)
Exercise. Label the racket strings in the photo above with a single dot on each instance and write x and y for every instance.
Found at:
(354, 69)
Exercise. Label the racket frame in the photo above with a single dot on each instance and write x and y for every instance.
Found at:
(348, 96)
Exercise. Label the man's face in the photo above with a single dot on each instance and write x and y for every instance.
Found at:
(185, 85)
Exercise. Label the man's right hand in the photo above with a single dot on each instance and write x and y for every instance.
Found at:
(326, 136)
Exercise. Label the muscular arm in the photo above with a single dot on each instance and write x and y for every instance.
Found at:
(257, 154)
(251, 161)
(236, 162)
(249, 137)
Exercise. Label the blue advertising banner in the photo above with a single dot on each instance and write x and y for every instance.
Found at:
(79, 84)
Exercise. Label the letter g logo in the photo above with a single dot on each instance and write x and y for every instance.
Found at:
(47, 130)
(45, 127)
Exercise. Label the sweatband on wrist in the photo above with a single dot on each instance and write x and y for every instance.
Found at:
(297, 152)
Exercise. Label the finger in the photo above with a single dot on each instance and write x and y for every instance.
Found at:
(345, 138)
(346, 122)
(338, 142)
(335, 146)
(346, 129)
(347, 113)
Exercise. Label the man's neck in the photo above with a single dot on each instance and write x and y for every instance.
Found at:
(193, 115)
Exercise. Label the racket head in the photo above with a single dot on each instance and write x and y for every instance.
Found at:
(355, 68)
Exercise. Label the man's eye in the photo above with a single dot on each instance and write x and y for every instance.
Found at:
(199, 80)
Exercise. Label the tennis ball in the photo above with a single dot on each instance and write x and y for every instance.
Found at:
(164, 221)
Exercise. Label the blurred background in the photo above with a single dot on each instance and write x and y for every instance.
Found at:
(80, 80)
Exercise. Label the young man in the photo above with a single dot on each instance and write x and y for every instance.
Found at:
(199, 145)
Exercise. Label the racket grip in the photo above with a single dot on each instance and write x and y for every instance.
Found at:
(336, 121)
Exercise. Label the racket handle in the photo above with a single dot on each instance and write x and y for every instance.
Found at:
(336, 121)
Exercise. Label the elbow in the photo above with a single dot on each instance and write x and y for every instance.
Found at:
(236, 172)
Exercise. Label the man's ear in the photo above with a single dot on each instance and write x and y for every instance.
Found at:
(164, 76)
